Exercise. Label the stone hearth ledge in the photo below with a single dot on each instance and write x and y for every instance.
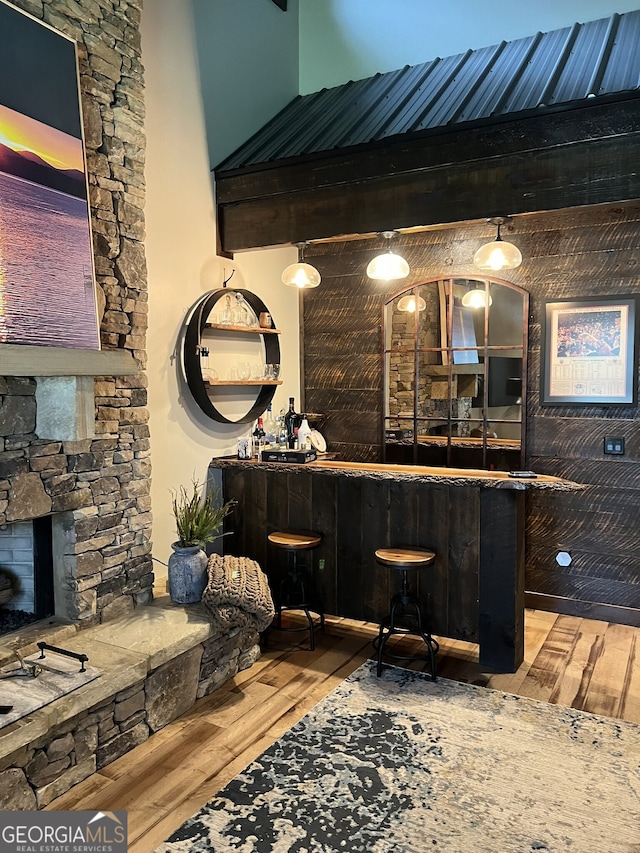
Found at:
(125, 650)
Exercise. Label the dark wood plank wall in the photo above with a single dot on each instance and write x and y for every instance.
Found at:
(583, 252)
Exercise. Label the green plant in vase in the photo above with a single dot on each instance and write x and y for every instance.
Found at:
(198, 521)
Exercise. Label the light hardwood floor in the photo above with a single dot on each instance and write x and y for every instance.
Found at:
(568, 661)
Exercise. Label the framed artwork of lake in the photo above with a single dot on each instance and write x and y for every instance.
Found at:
(47, 281)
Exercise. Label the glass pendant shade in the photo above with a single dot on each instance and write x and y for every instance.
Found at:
(475, 298)
(499, 255)
(301, 275)
(408, 303)
(387, 267)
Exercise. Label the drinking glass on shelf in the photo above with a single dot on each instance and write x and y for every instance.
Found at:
(257, 371)
(233, 374)
(226, 315)
(275, 371)
(244, 370)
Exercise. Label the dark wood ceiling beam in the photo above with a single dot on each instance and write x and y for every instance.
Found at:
(550, 162)
(590, 173)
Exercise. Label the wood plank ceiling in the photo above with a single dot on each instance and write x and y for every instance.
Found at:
(541, 123)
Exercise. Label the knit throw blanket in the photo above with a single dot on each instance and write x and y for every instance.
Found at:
(237, 594)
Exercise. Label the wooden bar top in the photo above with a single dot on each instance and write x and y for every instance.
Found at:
(379, 471)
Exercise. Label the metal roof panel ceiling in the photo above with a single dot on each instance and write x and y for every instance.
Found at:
(585, 61)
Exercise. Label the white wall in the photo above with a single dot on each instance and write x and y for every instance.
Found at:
(248, 60)
(182, 262)
(343, 40)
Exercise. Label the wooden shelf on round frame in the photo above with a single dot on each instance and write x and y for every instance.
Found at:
(227, 327)
(242, 381)
(202, 390)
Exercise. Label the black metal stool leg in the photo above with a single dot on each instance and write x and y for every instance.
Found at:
(405, 618)
(292, 595)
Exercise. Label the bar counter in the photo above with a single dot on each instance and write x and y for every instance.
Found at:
(473, 519)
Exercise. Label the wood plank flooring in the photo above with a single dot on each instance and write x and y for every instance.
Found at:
(569, 661)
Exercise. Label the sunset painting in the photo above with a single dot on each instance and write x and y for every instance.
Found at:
(47, 289)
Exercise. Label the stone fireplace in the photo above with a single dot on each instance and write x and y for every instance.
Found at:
(95, 491)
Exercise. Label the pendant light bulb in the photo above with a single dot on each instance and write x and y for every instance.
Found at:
(408, 303)
(388, 266)
(499, 254)
(476, 298)
(301, 275)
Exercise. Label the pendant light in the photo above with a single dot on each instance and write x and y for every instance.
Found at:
(408, 303)
(301, 275)
(388, 266)
(475, 298)
(498, 255)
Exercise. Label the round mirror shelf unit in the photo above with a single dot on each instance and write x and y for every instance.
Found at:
(226, 314)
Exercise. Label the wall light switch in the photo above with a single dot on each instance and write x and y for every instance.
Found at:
(613, 446)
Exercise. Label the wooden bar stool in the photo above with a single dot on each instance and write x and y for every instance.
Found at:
(405, 616)
(292, 594)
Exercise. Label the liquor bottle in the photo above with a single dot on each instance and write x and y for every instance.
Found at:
(204, 362)
(291, 422)
(270, 427)
(304, 434)
(282, 431)
(258, 438)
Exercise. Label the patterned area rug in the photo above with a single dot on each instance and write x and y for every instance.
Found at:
(402, 765)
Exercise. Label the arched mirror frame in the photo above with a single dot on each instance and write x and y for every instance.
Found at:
(447, 371)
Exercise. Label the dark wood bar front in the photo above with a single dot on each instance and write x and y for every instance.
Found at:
(473, 520)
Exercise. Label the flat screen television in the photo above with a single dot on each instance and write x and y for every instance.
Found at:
(505, 383)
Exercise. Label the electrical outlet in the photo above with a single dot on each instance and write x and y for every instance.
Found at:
(613, 445)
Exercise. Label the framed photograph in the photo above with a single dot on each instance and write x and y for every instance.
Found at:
(47, 280)
(588, 352)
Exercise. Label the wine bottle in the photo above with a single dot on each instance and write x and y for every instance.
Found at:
(258, 438)
(291, 422)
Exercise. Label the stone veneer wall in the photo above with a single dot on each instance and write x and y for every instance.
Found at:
(431, 402)
(101, 485)
(38, 773)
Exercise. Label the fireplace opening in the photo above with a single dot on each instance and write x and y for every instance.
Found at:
(26, 573)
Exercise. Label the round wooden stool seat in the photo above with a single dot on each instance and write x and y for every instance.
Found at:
(405, 558)
(295, 540)
(405, 615)
(296, 590)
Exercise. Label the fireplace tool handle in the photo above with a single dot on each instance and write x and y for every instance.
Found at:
(77, 655)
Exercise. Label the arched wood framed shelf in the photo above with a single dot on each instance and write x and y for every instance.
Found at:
(196, 323)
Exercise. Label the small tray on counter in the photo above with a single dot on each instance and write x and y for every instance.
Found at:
(296, 456)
